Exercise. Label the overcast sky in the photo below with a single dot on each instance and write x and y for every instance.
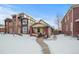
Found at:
(47, 12)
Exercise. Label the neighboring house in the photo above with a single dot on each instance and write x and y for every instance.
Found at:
(18, 24)
(70, 22)
(22, 23)
(41, 27)
(9, 25)
(2, 28)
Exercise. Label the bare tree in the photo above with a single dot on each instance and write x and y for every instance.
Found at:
(58, 22)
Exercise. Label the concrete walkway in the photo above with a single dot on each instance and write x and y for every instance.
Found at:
(44, 46)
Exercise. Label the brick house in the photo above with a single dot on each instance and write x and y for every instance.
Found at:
(18, 24)
(70, 22)
(41, 27)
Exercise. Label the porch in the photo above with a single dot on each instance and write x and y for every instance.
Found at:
(39, 27)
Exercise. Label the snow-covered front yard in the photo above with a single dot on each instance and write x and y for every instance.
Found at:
(26, 44)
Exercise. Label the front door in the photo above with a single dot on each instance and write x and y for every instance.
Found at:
(38, 30)
(41, 30)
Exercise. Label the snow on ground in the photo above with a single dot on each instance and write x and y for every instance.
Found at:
(25, 44)
(64, 45)
(18, 44)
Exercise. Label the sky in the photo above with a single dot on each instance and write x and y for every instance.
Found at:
(47, 12)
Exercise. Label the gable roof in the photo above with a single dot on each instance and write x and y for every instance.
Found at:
(30, 17)
(39, 25)
(45, 23)
(41, 21)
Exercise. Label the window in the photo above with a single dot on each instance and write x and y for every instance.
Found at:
(24, 29)
(24, 22)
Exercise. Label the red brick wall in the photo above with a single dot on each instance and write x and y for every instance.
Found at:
(13, 25)
(72, 18)
(76, 24)
(66, 23)
(10, 27)
(18, 25)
